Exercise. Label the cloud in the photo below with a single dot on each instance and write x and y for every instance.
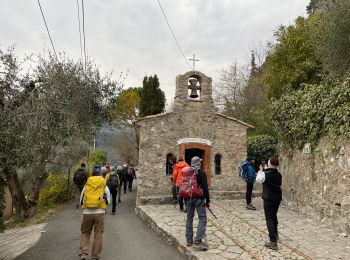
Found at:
(132, 35)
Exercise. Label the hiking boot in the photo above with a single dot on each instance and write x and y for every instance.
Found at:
(271, 245)
(251, 207)
(119, 201)
(181, 210)
(189, 243)
(200, 246)
(83, 257)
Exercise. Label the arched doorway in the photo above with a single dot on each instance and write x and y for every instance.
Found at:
(191, 149)
(192, 152)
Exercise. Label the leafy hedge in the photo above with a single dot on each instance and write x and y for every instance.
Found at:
(56, 191)
(262, 147)
(305, 115)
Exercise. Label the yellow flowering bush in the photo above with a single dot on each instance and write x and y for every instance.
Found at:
(56, 191)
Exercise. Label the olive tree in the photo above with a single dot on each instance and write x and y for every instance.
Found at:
(49, 114)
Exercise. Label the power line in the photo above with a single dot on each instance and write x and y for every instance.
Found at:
(178, 45)
(48, 32)
(81, 47)
(82, 6)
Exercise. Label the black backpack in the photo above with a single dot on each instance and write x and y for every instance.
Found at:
(80, 177)
(113, 182)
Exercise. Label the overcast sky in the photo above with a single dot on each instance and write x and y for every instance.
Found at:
(131, 35)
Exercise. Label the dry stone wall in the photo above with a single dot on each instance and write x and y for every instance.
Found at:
(318, 183)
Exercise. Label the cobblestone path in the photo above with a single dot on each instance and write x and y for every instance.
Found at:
(240, 234)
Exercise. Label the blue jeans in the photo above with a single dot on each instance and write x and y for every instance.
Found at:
(199, 205)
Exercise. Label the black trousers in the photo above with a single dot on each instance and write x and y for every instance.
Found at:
(174, 191)
(114, 194)
(181, 200)
(248, 194)
(125, 183)
(130, 180)
(270, 210)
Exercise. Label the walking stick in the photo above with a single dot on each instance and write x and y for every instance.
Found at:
(212, 213)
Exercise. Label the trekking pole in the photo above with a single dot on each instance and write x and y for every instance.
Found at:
(212, 213)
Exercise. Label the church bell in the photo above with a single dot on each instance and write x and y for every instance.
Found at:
(193, 93)
(193, 88)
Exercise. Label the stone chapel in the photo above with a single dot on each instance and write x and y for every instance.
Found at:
(193, 128)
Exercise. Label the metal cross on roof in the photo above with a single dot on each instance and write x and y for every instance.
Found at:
(194, 61)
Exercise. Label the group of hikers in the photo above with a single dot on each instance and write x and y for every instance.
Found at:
(190, 191)
(93, 194)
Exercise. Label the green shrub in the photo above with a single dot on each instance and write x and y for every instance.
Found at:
(56, 191)
(262, 147)
(306, 115)
(98, 156)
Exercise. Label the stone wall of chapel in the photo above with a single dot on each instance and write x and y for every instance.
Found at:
(159, 136)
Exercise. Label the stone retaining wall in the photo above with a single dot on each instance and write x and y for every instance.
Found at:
(318, 183)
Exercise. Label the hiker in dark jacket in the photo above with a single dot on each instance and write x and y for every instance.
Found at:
(113, 184)
(271, 179)
(200, 205)
(250, 181)
(79, 179)
(131, 175)
(120, 172)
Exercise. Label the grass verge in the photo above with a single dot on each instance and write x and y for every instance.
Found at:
(43, 213)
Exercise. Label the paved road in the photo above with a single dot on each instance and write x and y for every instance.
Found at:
(125, 237)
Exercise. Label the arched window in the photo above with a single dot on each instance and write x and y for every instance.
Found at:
(168, 164)
(217, 164)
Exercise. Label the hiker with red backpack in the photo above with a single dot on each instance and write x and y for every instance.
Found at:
(94, 200)
(79, 179)
(177, 176)
(194, 189)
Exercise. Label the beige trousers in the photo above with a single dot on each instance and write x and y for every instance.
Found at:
(96, 222)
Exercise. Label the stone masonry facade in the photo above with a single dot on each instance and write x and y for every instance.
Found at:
(193, 124)
(318, 183)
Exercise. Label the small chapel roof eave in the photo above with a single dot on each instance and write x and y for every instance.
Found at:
(151, 117)
(235, 119)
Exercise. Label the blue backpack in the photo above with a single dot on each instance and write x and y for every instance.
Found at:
(243, 171)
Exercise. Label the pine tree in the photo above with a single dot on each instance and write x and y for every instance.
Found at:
(152, 98)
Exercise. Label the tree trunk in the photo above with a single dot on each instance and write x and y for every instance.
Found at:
(17, 192)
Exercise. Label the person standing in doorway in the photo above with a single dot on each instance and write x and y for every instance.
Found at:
(79, 179)
(199, 204)
(271, 180)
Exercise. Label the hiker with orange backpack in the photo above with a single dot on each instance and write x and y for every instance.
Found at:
(194, 189)
(177, 176)
(94, 200)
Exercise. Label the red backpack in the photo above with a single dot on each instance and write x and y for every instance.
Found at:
(188, 185)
